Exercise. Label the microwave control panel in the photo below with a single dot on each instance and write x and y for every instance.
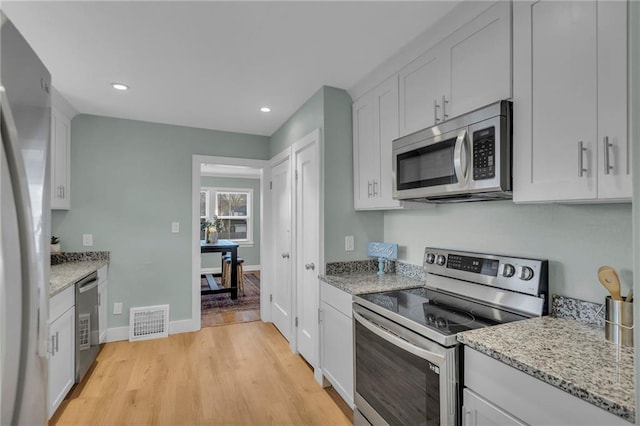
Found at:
(484, 148)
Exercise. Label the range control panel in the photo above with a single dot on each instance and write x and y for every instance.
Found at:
(523, 275)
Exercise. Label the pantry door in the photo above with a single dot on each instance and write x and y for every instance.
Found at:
(306, 154)
(281, 289)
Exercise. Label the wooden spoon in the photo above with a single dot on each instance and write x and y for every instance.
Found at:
(609, 279)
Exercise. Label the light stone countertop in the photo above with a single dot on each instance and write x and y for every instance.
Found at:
(569, 355)
(66, 274)
(370, 282)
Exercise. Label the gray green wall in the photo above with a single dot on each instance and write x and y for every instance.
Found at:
(129, 181)
(329, 109)
(251, 255)
(576, 239)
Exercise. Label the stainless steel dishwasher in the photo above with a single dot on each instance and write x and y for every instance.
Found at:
(87, 327)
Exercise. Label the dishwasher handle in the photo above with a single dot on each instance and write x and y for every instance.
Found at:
(88, 283)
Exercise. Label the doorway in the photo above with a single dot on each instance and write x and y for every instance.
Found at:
(214, 180)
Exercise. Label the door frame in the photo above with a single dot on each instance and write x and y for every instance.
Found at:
(265, 213)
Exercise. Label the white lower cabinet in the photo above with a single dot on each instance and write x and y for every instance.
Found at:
(102, 303)
(496, 393)
(337, 341)
(61, 346)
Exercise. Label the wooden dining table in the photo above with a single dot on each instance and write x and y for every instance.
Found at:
(223, 247)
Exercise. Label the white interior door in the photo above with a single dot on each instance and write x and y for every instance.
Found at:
(308, 244)
(281, 301)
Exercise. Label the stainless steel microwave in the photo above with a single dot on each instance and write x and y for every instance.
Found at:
(466, 158)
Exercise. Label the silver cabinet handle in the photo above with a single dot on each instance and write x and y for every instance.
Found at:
(435, 111)
(52, 350)
(369, 189)
(375, 190)
(310, 266)
(285, 255)
(444, 108)
(581, 151)
(57, 342)
(607, 165)
(63, 192)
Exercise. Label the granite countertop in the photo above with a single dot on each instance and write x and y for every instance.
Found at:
(370, 282)
(67, 269)
(569, 355)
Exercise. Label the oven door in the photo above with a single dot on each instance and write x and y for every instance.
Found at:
(402, 378)
(435, 166)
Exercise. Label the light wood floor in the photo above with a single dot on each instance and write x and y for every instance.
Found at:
(239, 374)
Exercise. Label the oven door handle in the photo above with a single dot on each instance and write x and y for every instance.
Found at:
(397, 341)
(460, 147)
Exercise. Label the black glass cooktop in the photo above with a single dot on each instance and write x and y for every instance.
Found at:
(440, 312)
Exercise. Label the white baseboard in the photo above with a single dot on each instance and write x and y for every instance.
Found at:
(116, 334)
(246, 268)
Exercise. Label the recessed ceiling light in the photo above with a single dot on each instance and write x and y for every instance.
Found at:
(119, 86)
(265, 109)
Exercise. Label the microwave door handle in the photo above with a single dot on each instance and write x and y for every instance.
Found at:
(460, 170)
(397, 341)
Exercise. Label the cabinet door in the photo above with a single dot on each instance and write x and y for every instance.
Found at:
(102, 310)
(614, 167)
(480, 60)
(62, 343)
(366, 161)
(337, 351)
(422, 86)
(555, 98)
(478, 412)
(60, 157)
(385, 120)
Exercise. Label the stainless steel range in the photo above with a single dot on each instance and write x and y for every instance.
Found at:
(406, 354)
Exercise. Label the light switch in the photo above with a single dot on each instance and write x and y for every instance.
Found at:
(175, 227)
(87, 240)
(117, 308)
(348, 243)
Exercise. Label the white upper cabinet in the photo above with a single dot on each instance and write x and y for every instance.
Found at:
(60, 160)
(60, 157)
(614, 168)
(375, 126)
(569, 101)
(422, 87)
(468, 69)
(479, 55)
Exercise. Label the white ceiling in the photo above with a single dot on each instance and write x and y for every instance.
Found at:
(213, 64)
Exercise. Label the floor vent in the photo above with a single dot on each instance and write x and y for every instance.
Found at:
(149, 322)
(84, 326)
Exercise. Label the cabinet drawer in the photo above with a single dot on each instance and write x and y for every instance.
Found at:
(341, 300)
(61, 302)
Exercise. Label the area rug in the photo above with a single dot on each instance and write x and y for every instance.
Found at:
(220, 303)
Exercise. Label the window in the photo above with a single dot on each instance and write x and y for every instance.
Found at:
(233, 207)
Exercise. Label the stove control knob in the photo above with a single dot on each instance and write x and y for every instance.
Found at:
(440, 259)
(525, 273)
(507, 270)
(430, 258)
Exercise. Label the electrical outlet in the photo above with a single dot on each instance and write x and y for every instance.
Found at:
(87, 240)
(175, 227)
(117, 308)
(349, 243)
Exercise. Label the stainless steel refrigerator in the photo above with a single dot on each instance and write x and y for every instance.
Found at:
(25, 118)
